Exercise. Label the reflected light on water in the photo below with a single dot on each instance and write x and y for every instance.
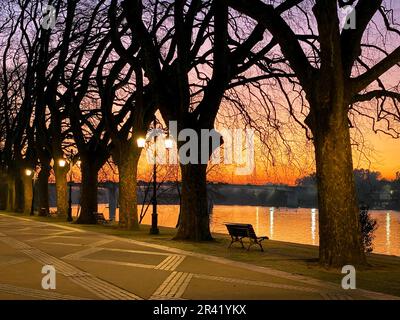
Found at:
(257, 219)
(313, 225)
(388, 232)
(271, 222)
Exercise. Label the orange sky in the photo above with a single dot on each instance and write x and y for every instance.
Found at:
(382, 152)
(379, 152)
(387, 154)
(380, 149)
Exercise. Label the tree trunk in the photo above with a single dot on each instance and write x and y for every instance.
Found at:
(3, 192)
(89, 184)
(195, 222)
(43, 189)
(10, 192)
(127, 167)
(339, 226)
(61, 191)
(19, 194)
(28, 193)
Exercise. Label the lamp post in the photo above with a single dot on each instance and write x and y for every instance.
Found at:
(141, 142)
(62, 163)
(69, 215)
(154, 217)
(31, 173)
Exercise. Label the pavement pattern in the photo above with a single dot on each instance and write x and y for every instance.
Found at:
(95, 266)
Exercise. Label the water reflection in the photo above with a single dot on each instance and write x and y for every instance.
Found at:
(291, 225)
(388, 232)
(271, 222)
(313, 225)
(257, 219)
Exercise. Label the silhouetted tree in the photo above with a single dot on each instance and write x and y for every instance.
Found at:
(81, 100)
(17, 49)
(50, 115)
(120, 81)
(310, 180)
(191, 60)
(335, 76)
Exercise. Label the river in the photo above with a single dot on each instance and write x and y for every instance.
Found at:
(283, 224)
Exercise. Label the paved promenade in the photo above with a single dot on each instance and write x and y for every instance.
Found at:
(97, 266)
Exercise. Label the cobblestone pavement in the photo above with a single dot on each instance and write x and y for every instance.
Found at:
(96, 266)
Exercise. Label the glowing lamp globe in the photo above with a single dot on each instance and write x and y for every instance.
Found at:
(62, 163)
(141, 142)
(169, 143)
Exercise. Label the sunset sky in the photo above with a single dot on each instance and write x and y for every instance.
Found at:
(379, 154)
(387, 151)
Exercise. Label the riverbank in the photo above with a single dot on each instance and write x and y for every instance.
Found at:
(269, 195)
(383, 274)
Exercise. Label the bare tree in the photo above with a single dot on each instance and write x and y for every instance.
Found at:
(128, 108)
(334, 69)
(82, 104)
(191, 59)
(50, 114)
(18, 50)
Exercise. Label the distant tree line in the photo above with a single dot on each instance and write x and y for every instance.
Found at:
(372, 190)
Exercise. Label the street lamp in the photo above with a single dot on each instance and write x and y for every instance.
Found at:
(30, 173)
(169, 143)
(141, 142)
(62, 163)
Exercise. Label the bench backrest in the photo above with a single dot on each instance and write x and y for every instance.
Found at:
(241, 230)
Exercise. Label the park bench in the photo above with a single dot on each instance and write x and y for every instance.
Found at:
(239, 231)
(100, 218)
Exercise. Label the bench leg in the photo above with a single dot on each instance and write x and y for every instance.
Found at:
(236, 239)
(233, 241)
(252, 242)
